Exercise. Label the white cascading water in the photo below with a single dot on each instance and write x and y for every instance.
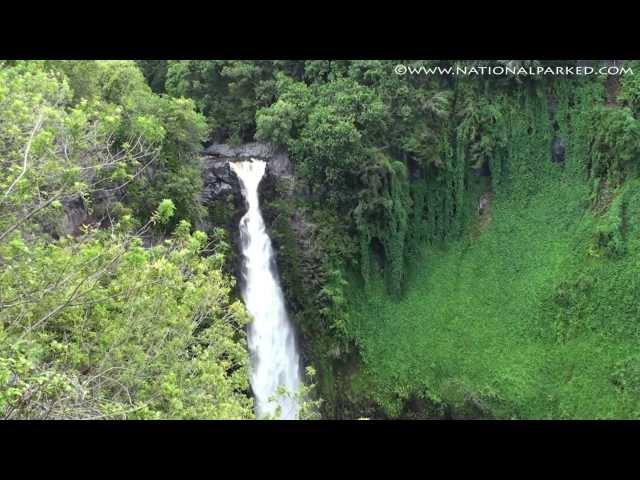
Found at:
(274, 356)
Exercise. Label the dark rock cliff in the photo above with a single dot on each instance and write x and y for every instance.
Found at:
(221, 183)
(222, 195)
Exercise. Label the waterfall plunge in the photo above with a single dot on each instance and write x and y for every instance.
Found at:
(274, 356)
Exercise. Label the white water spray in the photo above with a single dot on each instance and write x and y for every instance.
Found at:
(274, 357)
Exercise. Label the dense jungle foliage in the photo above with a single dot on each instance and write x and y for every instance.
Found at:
(441, 255)
(131, 315)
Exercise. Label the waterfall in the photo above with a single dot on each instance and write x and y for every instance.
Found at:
(274, 356)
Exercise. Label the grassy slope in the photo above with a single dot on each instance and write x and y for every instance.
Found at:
(527, 318)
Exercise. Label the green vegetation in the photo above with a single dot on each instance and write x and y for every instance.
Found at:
(533, 312)
(129, 313)
(525, 311)
(530, 319)
(437, 260)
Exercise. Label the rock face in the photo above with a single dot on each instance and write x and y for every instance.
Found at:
(279, 166)
(278, 163)
(482, 171)
(415, 170)
(557, 150)
(221, 194)
(75, 214)
(220, 181)
(244, 151)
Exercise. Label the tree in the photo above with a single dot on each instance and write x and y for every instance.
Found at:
(227, 92)
(107, 322)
